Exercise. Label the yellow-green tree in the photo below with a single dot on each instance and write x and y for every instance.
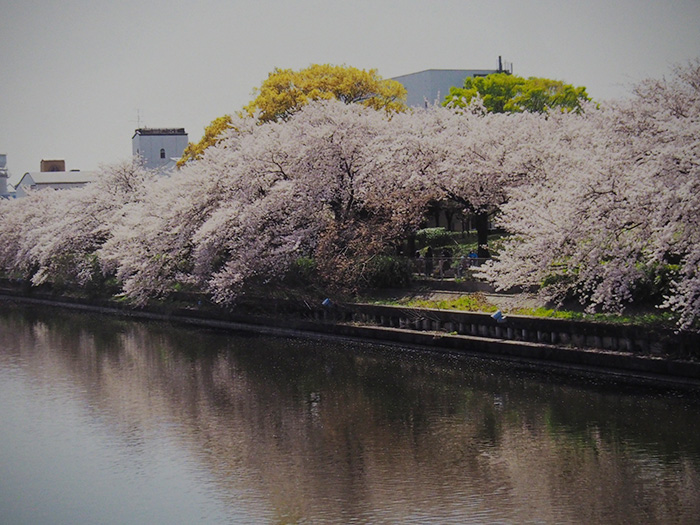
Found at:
(285, 91)
(505, 93)
(212, 135)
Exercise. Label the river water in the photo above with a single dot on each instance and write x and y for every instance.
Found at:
(106, 420)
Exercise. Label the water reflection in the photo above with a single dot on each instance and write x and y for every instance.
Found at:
(289, 431)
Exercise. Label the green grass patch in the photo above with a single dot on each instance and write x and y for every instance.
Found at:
(467, 303)
(646, 318)
(477, 302)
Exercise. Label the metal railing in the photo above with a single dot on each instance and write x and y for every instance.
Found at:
(446, 267)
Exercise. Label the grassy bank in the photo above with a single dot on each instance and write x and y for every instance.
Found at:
(522, 305)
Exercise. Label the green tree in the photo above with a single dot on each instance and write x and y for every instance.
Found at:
(505, 93)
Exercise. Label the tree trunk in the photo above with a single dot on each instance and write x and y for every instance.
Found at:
(481, 221)
(448, 217)
(436, 215)
(411, 246)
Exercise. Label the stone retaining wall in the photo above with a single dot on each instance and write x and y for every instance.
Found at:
(635, 349)
(641, 340)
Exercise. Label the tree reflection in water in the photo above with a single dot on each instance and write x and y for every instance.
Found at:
(317, 430)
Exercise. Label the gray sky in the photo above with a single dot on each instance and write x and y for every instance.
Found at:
(75, 72)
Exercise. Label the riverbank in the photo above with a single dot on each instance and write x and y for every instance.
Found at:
(647, 353)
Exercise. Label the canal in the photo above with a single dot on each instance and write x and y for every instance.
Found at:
(107, 420)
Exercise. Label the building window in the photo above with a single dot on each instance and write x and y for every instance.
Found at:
(162, 153)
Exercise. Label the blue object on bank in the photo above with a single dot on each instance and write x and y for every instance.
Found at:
(498, 316)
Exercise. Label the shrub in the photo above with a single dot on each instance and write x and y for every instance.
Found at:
(434, 237)
(386, 271)
(301, 272)
(657, 282)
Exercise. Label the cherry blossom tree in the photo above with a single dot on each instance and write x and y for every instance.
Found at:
(52, 236)
(150, 249)
(616, 214)
(368, 203)
(471, 158)
(568, 228)
(262, 224)
(317, 185)
(20, 221)
(322, 184)
(82, 222)
(665, 124)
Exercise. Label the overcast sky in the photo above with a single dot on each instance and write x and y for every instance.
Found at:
(78, 76)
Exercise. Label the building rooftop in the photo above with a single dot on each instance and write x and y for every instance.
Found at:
(439, 72)
(159, 131)
(60, 177)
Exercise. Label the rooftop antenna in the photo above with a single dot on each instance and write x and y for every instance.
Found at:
(138, 119)
(504, 67)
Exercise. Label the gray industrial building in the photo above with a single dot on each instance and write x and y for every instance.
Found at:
(431, 86)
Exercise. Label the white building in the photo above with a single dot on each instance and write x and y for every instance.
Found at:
(4, 176)
(57, 180)
(159, 148)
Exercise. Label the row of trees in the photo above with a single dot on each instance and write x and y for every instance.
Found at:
(602, 204)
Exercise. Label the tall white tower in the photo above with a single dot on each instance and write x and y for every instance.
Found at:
(159, 148)
(4, 175)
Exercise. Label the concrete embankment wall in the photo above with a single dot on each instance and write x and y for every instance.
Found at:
(636, 350)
